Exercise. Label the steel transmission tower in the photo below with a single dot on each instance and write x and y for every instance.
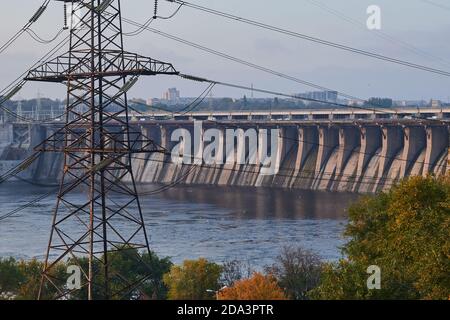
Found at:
(90, 227)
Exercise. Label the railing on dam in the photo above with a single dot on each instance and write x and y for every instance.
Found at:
(338, 115)
(298, 115)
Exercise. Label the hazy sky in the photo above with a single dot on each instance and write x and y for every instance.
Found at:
(411, 26)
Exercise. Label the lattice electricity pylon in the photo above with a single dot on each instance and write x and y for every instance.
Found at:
(89, 228)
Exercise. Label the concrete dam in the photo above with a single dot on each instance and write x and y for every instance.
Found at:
(345, 155)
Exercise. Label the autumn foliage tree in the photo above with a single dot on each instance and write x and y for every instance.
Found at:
(194, 280)
(258, 287)
(406, 233)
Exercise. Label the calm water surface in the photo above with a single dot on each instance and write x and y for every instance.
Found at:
(188, 222)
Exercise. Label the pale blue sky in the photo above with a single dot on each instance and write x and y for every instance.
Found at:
(416, 22)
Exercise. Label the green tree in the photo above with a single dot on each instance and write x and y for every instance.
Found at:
(11, 276)
(194, 280)
(21, 279)
(156, 268)
(406, 233)
(32, 271)
(126, 268)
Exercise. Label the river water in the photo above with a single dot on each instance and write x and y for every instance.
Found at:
(189, 222)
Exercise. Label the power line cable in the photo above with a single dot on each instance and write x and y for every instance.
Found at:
(438, 5)
(48, 55)
(28, 205)
(240, 61)
(30, 22)
(19, 82)
(140, 29)
(37, 183)
(314, 39)
(252, 65)
(37, 38)
(169, 16)
(271, 92)
(147, 23)
(379, 33)
(185, 110)
(25, 164)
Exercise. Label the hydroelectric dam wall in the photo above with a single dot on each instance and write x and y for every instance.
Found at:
(363, 156)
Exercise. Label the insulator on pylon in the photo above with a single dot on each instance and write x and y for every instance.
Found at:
(13, 92)
(193, 78)
(128, 85)
(103, 6)
(38, 14)
(65, 17)
(155, 15)
(102, 165)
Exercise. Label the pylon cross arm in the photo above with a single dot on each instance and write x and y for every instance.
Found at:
(76, 139)
(77, 66)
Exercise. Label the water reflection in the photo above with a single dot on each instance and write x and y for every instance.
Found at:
(264, 203)
(189, 222)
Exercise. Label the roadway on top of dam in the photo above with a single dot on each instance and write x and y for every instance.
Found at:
(398, 116)
(306, 114)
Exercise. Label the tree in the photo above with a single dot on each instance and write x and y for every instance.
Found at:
(143, 268)
(10, 276)
(194, 280)
(156, 269)
(21, 280)
(32, 272)
(297, 271)
(147, 269)
(233, 271)
(406, 233)
(258, 287)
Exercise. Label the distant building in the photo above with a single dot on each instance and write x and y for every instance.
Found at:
(139, 101)
(411, 103)
(435, 103)
(381, 102)
(328, 96)
(153, 101)
(355, 103)
(172, 95)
